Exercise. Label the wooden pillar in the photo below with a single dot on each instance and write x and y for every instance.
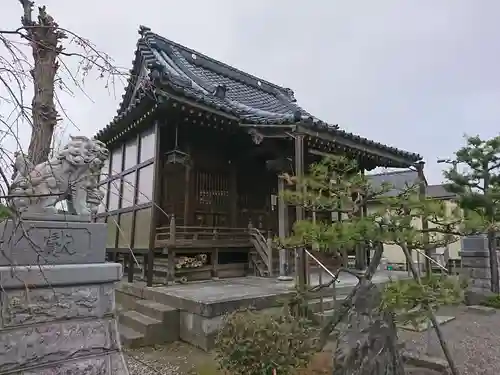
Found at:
(171, 252)
(233, 195)
(300, 263)
(282, 230)
(188, 192)
(155, 202)
(422, 187)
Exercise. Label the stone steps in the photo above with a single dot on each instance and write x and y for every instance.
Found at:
(155, 310)
(145, 322)
(130, 338)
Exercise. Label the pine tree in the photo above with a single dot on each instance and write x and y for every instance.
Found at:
(475, 178)
(335, 185)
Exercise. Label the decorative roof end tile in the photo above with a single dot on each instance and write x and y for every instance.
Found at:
(297, 116)
(143, 30)
(220, 91)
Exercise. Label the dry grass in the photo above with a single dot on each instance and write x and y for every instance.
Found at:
(321, 364)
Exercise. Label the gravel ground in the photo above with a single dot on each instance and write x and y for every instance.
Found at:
(137, 365)
(173, 359)
(473, 339)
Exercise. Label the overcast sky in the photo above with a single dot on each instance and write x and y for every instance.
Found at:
(414, 74)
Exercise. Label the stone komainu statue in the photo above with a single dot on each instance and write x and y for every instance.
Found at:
(71, 176)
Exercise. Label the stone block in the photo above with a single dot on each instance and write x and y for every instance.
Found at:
(202, 331)
(483, 310)
(130, 338)
(474, 262)
(117, 365)
(112, 364)
(52, 242)
(425, 325)
(477, 273)
(474, 243)
(480, 283)
(21, 307)
(56, 275)
(159, 311)
(427, 362)
(37, 345)
(198, 330)
(94, 365)
(474, 254)
(476, 296)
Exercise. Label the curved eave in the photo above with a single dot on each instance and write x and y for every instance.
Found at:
(396, 157)
(127, 120)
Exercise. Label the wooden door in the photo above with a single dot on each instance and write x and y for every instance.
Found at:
(212, 198)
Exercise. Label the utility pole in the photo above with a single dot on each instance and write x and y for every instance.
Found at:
(422, 190)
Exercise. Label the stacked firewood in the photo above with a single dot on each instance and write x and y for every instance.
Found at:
(196, 261)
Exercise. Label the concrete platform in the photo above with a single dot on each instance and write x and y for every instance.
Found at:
(202, 305)
(217, 297)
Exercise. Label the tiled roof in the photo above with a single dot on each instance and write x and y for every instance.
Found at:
(200, 78)
(401, 180)
(439, 191)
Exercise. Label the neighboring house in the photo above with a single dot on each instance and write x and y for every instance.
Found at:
(401, 180)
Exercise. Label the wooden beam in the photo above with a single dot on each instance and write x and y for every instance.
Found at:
(233, 194)
(271, 126)
(188, 195)
(282, 230)
(352, 144)
(156, 200)
(134, 201)
(199, 106)
(301, 263)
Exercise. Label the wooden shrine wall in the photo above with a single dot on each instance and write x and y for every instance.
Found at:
(219, 190)
(256, 185)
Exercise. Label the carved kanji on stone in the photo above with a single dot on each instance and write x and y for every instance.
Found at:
(57, 242)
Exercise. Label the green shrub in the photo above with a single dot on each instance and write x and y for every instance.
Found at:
(492, 301)
(407, 298)
(255, 343)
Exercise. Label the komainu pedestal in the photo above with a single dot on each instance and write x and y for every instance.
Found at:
(57, 305)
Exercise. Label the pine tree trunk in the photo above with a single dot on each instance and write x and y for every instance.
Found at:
(367, 339)
(368, 343)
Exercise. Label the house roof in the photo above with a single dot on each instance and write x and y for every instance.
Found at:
(401, 180)
(439, 191)
(251, 100)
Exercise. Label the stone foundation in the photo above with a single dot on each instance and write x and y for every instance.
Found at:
(60, 318)
(201, 331)
(202, 306)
